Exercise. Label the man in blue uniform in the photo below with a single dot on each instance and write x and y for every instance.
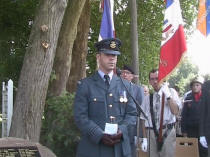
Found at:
(103, 110)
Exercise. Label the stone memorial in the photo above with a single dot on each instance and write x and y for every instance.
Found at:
(16, 147)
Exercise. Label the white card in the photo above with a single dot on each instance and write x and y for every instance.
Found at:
(111, 129)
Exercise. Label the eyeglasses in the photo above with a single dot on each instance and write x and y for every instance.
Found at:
(126, 72)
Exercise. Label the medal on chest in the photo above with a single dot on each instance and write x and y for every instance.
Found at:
(123, 97)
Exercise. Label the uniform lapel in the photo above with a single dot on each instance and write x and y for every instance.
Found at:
(113, 82)
(99, 81)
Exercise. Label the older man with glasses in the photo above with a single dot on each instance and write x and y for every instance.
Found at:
(138, 94)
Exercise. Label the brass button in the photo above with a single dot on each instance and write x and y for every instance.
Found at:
(112, 117)
(110, 94)
(94, 99)
(110, 105)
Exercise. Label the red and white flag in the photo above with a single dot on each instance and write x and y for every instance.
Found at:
(173, 44)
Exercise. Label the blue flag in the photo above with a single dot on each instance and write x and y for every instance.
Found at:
(107, 24)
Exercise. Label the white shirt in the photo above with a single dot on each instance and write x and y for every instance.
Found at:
(101, 73)
(168, 117)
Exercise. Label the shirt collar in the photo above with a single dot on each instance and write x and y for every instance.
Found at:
(197, 96)
(101, 73)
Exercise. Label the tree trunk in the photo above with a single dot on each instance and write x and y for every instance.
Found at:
(80, 49)
(134, 40)
(63, 56)
(36, 70)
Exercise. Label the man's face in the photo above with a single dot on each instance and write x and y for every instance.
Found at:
(146, 90)
(127, 75)
(196, 87)
(153, 80)
(107, 62)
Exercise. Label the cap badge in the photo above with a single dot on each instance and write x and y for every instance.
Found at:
(113, 44)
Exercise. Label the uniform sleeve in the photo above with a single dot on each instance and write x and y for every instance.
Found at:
(129, 120)
(85, 125)
(140, 95)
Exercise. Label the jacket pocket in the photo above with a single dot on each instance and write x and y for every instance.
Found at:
(96, 106)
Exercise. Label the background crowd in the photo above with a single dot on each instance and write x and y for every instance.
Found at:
(115, 115)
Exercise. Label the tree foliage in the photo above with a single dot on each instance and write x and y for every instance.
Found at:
(59, 133)
(183, 75)
(150, 26)
(16, 18)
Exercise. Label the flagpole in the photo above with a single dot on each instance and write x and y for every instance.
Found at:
(134, 40)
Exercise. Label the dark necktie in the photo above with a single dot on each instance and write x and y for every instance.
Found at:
(107, 79)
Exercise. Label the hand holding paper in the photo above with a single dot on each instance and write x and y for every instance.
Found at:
(111, 129)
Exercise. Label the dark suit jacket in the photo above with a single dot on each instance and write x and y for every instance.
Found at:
(93, 106)
(190, 115)
(205, 111)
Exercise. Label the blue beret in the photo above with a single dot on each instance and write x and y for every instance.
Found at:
(109, 46)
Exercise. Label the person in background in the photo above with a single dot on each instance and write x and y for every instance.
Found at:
(146, 90)
(178, 117)
(138, 94)
(185, 94)
(138, 91)
(205, 116)
(161, 145)
(103, 109)
(190, 120)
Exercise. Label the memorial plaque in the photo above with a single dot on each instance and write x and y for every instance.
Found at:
(30, 151)
(16, 147)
